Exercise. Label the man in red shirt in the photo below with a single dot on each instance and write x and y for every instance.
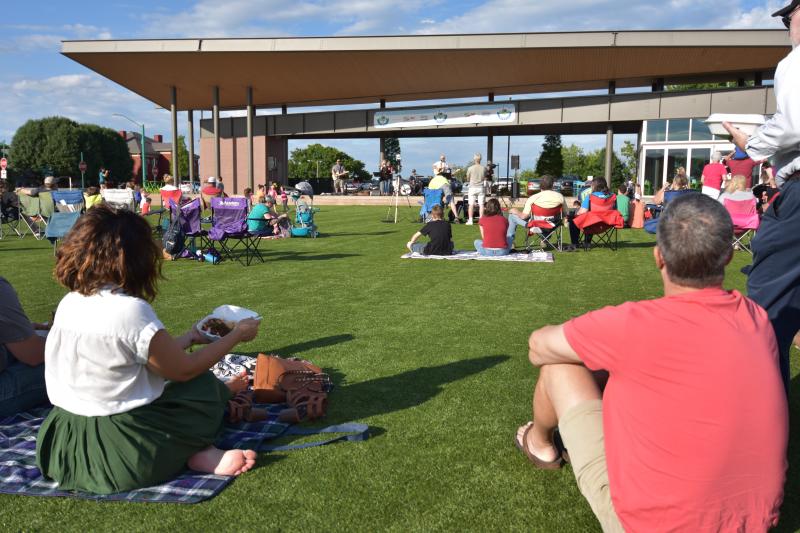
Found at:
(741, 165)
(690, 431)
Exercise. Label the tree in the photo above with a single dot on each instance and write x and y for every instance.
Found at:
(304, 162)
(391, 149)
(550, 160)
(54, 145)
(183, 157)
(629, 158)
(573, 158)
(527, 174)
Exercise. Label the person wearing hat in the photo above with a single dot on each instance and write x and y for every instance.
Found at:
(773, 277)
(48, 185)
(210, 190)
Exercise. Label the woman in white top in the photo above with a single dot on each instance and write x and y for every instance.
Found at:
(131, 407)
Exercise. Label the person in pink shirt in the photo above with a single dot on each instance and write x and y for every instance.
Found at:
(690, 430)
(713, 175)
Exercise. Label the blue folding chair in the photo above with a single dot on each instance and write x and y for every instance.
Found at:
(70, 200)
(59, 226)
(431, 197)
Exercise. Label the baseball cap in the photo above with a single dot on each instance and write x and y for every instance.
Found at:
(738, 152)
(788, 9)
(589, 178)
(211, 179)
(49, 180)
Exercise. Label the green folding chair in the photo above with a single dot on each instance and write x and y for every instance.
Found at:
(29, 214)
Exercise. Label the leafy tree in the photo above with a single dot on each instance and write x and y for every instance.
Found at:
(573, 158)
(704, 86)
(629, 157)
(303, 163)
(527, 174)
(183, 157)
(54, 145)
(550, 160)
(391, 149)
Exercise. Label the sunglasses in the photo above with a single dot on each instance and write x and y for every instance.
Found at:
(787, 20)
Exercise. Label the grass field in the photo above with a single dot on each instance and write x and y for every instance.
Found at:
(431, 354)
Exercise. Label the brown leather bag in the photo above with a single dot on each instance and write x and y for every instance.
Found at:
(276, 377)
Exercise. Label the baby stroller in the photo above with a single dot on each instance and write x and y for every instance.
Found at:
(304, 225)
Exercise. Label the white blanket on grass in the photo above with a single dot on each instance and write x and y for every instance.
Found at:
(464, 255)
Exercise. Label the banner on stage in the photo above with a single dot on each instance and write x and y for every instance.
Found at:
(493, 113)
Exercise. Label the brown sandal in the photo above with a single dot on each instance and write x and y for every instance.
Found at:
(522, 445)
(240, 408)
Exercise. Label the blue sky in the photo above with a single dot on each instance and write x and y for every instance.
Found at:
(37, 81)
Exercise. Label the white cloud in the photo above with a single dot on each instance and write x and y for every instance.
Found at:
(32, 38)
(80, 97)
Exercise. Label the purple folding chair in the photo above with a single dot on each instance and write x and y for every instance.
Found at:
(190, 221)
(229, 229)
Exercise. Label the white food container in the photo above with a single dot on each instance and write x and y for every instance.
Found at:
(231, 314)
(747, 123)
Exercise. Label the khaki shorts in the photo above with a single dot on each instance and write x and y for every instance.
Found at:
(581, 430)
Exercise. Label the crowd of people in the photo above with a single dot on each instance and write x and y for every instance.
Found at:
(665, 432)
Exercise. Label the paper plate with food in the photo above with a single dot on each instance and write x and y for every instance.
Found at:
(222, 320)
(747, 123)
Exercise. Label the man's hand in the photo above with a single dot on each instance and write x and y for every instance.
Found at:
(738, 137)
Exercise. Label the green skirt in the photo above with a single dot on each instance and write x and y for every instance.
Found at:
(140, 448)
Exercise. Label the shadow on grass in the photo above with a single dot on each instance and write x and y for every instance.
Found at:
(346, 234)
(303, 256)
(408, 389)
(293, 349)
(790, 512)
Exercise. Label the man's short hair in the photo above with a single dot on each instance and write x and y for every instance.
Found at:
(694, 236)
(437, 212)
(546, 183)
(623, 188)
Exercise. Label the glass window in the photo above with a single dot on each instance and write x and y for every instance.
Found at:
(653, 171)
(700, 131)
(676, 158)
(656, 130)
(678, 129)
(700, 156)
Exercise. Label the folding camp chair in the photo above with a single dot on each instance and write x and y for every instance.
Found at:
(547, 224)
(29, 216)
(119, 198)
(69, 201)
(651, 225)
(10, 215)
(59, 226)
(229, 230)
(744, 214)
(431, 197)
(46, 206)
(190, 222)
(601, 221)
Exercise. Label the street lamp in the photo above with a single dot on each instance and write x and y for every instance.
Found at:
(143, 164)
(318, 161)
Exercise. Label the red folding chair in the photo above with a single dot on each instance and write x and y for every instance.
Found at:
(547, 224)
(744, 214)
(602, 221)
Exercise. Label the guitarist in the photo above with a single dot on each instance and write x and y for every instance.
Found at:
(338, 173)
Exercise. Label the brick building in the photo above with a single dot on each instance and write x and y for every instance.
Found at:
(157, 153)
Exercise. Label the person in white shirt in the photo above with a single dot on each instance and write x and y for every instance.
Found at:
(772, 278)
(779, 137)
(131, 407)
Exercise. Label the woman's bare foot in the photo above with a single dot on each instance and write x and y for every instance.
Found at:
(221, 462)
(238, 383)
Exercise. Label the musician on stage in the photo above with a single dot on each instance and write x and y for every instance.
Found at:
(338, 173)
(441, 167)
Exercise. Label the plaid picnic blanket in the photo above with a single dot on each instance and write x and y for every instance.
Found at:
(19, 474)
(464, 255)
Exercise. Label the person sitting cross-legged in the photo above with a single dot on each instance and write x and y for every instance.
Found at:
(131, 408)
(439, 232)
(690, 433)
(494, 226)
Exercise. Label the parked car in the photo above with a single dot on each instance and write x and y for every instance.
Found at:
(534, 186)
(372, 185)
(352, 186)
(500, 185)
(565, 185)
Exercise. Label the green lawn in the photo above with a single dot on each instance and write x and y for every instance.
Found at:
(431, 354)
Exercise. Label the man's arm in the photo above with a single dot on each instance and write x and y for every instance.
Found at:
(29, 351)
(548, 345)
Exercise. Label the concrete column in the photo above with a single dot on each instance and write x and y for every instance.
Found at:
(215, 116)
(190, 131)
(609, 152)
(250, 170)
(382, 143)
(173, 108)
(490, 146)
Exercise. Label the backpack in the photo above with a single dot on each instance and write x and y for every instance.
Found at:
(174, 239)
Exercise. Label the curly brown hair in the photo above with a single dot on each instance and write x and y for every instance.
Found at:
(110, 247)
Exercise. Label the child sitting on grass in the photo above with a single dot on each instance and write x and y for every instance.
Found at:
(438, 231)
